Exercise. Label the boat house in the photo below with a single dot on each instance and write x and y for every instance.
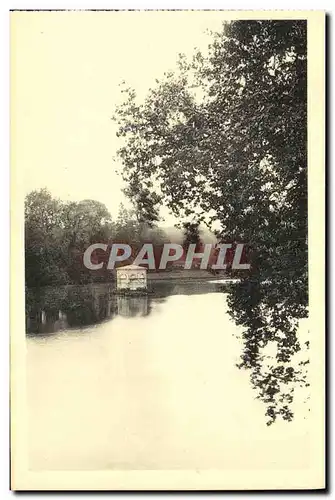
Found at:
(131, 277)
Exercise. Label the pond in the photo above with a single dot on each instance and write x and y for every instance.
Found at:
(147, 382)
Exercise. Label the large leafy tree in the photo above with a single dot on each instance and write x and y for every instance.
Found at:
(44, 258)
(191, 233)
(225, 140)
(83, 223)
(57, 234)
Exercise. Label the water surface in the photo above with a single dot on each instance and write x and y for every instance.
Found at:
(146, 382)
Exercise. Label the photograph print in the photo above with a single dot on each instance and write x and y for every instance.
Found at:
(168, 238)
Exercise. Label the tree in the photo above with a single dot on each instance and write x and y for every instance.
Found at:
(225, 138)
(134, 230)
(191, 233)
(84, 223)
(44, 259)
(56, 236)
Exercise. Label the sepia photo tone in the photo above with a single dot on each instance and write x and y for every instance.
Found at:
(167, 250)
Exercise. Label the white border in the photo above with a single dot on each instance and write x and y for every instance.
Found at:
(4, 151)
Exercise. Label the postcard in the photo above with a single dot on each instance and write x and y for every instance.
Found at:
(167, 250)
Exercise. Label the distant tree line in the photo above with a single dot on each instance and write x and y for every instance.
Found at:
(57, 233)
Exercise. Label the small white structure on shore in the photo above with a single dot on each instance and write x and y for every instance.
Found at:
(131, 278)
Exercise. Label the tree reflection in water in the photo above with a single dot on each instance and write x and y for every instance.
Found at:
(270, 340)
(273, 372)
(50, 309)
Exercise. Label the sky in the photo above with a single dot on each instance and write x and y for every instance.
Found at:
(66, 68)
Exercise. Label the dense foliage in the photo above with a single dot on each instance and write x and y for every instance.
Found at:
(224, 141)
(58, 233)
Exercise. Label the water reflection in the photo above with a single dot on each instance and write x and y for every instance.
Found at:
(50, 309)
(133, 306)
(270, 355)
(159, 391)
(275, 346)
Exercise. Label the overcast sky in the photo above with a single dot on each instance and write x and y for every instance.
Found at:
(66, 68)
